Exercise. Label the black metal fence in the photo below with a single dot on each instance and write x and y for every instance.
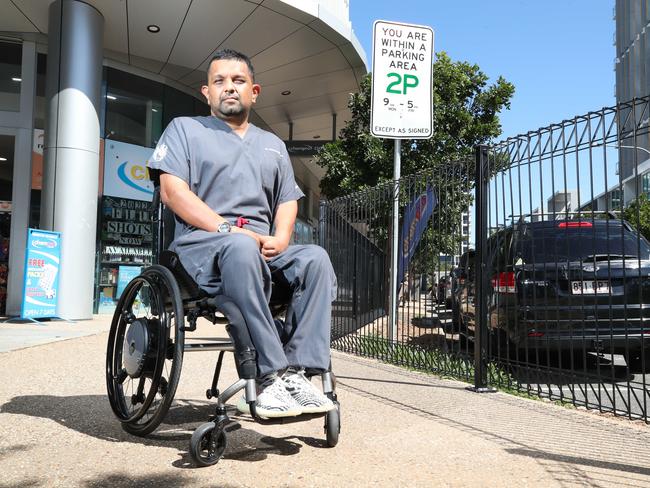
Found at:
(552, 298)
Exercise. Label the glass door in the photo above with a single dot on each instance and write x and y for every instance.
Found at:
(7, 146)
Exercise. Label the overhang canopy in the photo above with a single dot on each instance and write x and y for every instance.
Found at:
(296, 46)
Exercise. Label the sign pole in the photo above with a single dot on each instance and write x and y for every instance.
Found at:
(392, 333)
(401, 107)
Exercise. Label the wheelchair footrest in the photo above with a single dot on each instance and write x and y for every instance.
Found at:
(289, 420)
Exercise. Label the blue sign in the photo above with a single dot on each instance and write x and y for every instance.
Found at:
(124, 276)
(416, 216)
(42, 264)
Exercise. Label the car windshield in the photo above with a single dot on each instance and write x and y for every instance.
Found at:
(550, 244)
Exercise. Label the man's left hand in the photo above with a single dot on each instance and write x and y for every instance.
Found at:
(273, 246)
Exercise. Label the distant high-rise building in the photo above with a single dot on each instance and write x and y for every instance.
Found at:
(632, 42)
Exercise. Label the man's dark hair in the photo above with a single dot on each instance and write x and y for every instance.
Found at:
(237, 56)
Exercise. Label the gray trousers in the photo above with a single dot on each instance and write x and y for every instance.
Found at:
(241, 273)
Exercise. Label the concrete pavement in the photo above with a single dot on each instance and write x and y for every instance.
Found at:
(399, 428)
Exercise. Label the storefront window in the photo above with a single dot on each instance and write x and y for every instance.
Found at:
(134, 108)
(39, 108)
(177, 104)
(137, 111)
(11, 56)
(7, 144)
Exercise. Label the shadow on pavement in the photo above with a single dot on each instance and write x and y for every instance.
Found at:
(91, 415)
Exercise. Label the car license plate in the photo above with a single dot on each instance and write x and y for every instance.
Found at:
(590, 287)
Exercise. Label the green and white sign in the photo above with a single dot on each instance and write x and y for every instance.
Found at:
(402, 69)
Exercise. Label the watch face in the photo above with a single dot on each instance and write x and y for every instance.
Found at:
(224, 227)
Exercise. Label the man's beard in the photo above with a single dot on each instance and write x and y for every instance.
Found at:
(230, 109)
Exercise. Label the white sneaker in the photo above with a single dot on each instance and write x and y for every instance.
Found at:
(303, 391)
(273, 400)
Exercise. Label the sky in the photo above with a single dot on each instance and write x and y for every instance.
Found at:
(558, 53)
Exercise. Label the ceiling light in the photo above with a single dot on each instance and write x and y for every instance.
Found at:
(316, 136)
(153, 28)
(154, 109)
(16, 79)
(3, 159)
(286, 92)
(111, 97)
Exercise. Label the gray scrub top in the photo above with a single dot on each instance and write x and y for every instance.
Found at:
(236, 177)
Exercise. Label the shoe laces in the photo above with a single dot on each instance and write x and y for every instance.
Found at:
(267, 380)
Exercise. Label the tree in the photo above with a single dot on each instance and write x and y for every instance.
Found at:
(465, 113)
(637, 213)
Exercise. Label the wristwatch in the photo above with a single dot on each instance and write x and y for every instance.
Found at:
(224, 227)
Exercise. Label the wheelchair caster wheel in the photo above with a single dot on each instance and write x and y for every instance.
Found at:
(333, 425)
(207, 444)
(208, 394)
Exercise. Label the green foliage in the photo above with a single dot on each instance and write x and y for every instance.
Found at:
(465, 109)
(638, 214)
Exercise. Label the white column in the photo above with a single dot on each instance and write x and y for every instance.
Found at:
(71, 153)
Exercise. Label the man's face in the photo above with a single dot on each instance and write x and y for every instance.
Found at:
(230, 91)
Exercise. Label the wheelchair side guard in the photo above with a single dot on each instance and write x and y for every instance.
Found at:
(245, 354)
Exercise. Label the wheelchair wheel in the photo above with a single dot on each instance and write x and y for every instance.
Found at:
(333, 425)
(145, 350)
(207, 444)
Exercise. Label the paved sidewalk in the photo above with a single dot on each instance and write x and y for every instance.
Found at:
(399, 428)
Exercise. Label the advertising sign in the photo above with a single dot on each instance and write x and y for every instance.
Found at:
(402, 73)
(124, 276)
(304, 148)
(125, 171)
(126, 221)
(416, 217)
(41, 274)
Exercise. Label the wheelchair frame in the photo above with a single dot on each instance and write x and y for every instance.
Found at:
(141, 342)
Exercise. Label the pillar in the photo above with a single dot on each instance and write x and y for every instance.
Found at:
(71, 152)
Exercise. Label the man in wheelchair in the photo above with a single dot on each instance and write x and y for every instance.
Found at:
(231, 187)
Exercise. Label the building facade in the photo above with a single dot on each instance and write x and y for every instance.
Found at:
(632, 42)
(86, 89)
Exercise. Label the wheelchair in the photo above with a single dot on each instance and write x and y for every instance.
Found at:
(146, 344)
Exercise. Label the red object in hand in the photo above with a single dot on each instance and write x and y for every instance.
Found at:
(242, 221)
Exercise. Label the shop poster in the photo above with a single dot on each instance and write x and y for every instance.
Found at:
(124, 276)
(42, 265)
(125, 171)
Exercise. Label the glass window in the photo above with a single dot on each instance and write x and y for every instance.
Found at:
(201, 107)
(176, 104)
(41, 65)
(11, 56)
(552, 244)
(133, 108)
(645, 182)
(615, 199)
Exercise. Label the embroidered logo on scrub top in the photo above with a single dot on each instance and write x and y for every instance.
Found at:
(160, 152)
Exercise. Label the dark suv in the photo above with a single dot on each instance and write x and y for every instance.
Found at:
(563, 284)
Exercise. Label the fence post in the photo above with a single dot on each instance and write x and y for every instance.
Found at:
(481, 278)
(321, 223)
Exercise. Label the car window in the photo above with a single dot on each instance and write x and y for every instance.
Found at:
(552, 244)
(498, 247)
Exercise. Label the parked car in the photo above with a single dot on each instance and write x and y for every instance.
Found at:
(564, 284)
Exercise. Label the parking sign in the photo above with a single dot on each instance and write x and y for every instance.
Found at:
(402, 92)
